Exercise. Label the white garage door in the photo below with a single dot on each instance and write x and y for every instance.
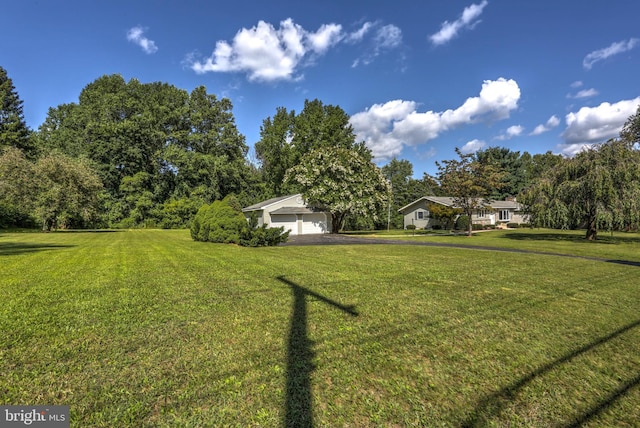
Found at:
(314, 223)
(288, 221)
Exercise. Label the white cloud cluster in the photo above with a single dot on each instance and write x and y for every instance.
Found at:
(584, 93)
(473, 146)
(468, 19)
(591, 125)
(136, 35)
(613, 49)
(267, 53)
(387, 128)
(385, 38)
(542, 128)
(512, 131)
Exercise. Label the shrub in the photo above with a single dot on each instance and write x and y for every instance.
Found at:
(513, 225)
(218, 222)
(462, 223)
(223, 222)
(411, 227)
(263, 236)
(477, 226)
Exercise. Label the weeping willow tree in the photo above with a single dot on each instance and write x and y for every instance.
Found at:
(597, 189)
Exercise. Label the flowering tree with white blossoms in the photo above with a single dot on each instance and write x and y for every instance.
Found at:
(342, 182)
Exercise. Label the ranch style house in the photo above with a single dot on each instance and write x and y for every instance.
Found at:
(495, 213)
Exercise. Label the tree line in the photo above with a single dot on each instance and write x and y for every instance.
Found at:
(132, 154)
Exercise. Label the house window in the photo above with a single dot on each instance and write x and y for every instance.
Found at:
(419, 215)
(482, 213)
(504, 215)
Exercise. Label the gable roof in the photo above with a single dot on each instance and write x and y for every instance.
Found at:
(448, 201)
(442, 200)
(266, 204)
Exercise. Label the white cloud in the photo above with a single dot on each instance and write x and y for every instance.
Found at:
(136, 35)
(473, 146)
(585, 93)
(614, 49)
(468, 19)
(268, 54)
(542, 128)
(327, 36)
(359, 34)
(512, 131)
(576, 84)
(388, 37)
(591, 125)
(384, 39)
(387, 128)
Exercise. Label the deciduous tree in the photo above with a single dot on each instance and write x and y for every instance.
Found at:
(469, 182)
(598, 188)
(341, 181)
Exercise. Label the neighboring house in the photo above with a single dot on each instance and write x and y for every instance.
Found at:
(292, 213)
(495, 213)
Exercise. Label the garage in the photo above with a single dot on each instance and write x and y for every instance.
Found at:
(292, 213)
(314, 223)
(288, 221)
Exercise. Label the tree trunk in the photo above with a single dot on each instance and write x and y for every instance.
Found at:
(592, 229)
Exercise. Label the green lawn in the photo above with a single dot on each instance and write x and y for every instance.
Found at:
(148, 328)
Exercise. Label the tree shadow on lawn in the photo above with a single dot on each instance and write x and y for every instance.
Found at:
(15, 248)
(300, 354)
(492, 405)
(573, 236)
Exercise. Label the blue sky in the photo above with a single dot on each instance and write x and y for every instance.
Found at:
(418, 78)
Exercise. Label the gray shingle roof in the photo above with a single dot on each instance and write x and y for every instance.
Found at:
(264, 204)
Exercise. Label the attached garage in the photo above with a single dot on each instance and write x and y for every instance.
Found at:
(292, 213)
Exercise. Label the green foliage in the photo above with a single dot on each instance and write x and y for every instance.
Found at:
(287, 138)
(411, 227)
(469, 182)
(342, 182)
(13, 128)
(68, 192)
(218, 222)
(514, 178)
(597, 189)
(263, 236)
(444, 214)
(223, 222)
(404, 189)
(178, 213)
(462, 223)
(150, 144)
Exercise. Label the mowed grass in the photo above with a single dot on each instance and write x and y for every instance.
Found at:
(148, 328)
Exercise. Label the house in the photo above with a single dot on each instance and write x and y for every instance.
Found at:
(292, 213)
(495, 213)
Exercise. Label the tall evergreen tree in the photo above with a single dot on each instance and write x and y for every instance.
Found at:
(13, 128)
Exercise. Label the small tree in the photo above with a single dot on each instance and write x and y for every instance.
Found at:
(469, 182)
(445, 215)
(342, 182)
(68, 192)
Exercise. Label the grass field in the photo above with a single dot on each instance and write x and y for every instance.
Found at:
(148, 328)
